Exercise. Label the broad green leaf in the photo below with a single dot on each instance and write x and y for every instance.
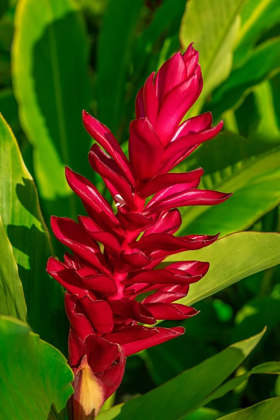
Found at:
(11, 293)
(114, 49)
(261, 65)
(181, 395)
(51, 86)
(268, 409)
(254, 182)
(231, 259)
(25, 227)
(34, 375)
(256, 17)
(212, 26)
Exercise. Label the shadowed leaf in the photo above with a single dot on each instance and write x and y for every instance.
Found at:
(11, 293)
(29, 237)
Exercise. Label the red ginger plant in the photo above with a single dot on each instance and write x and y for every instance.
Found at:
(115, 255)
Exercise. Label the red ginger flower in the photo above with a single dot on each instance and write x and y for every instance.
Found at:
(103, 282)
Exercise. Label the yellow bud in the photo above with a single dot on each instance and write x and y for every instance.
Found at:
(88, 396)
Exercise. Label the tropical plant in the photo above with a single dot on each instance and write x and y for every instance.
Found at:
(60, 57)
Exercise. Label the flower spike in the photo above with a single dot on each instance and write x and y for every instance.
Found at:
(114, 256)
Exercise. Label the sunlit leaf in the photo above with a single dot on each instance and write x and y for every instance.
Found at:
(256, 17)
(231, 259)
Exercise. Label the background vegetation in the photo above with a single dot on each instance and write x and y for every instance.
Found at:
(58, 57)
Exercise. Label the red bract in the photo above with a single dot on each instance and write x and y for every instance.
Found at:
(115, 255)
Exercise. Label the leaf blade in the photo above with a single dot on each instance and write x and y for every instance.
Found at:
(213, 28)
(180, 395)
(49, 57)
(262, 64)
(248, 179)
(28, 234)
(115, 45)
(265, 409)
(231, 253)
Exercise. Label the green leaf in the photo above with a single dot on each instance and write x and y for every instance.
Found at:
(212, 26)
(268, 409)
(11, 293)
(254, 182)
(114, 49)
(268, 368)
(231, 259)
(262, 64)
(265, 368)
(34, 375)
(51, 85)
(257, 16)
(25, 227)
(182, 394)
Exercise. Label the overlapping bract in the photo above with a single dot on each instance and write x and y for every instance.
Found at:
(114, 256)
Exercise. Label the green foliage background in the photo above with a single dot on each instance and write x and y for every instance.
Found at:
(58, 57)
